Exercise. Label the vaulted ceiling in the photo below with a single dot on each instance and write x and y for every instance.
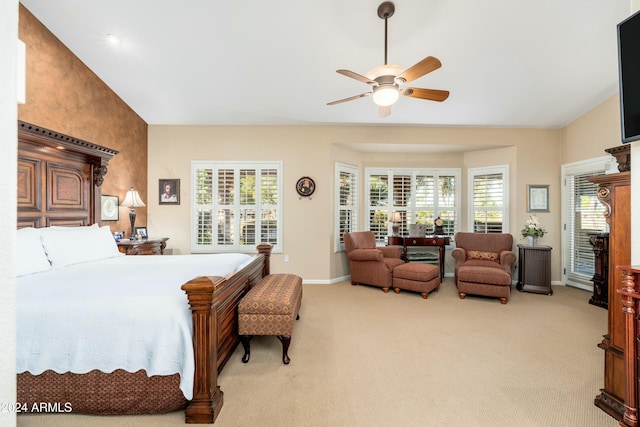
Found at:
(506, 63)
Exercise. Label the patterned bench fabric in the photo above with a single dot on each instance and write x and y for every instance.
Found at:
(271, 307)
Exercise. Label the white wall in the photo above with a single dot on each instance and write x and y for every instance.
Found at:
(8, 170)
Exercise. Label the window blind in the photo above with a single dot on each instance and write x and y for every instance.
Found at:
(586, 216)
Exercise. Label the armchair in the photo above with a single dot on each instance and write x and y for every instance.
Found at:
(484, 264)
(369, 264)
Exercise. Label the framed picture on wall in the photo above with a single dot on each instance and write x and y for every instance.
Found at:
(109, 208)
(169, 190)
(537, 198)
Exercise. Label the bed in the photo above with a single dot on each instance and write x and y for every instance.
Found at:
(147, 362)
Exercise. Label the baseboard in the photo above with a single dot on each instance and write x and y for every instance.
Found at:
(326, 282)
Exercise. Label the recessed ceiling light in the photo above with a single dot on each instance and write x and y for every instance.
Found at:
(114, 40)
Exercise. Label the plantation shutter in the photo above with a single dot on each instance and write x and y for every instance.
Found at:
(347, 202)
(418, 196)
(204, 202)
(378, 201)
(236, 206)
(488, 202)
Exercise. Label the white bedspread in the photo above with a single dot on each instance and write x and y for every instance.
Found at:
(119, 313)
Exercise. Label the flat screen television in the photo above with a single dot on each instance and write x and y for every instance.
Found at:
(629, 77)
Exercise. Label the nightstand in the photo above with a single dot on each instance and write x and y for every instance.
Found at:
(534, 269)
(143, 247)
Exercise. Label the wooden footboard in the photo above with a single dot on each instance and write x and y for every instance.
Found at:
(214, 305)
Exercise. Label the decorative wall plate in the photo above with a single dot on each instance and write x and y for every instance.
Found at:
(305, 186)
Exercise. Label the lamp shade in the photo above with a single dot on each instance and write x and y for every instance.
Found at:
(395, 217)
(132, 199)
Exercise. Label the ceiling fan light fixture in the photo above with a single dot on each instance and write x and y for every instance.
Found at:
(385, 95)
(385, 70)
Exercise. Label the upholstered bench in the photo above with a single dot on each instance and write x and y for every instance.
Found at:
(486, 281)
(270, 308)
(414, 276)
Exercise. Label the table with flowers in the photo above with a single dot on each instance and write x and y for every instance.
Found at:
(534, 261)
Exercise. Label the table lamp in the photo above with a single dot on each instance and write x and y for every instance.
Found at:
(132, 200)
(395, 219)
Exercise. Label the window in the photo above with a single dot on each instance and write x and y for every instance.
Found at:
(584, 214)
(419, 196)
(236, 206)
(346, 202)
(488, 193)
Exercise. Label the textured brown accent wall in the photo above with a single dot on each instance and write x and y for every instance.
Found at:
(64, 95)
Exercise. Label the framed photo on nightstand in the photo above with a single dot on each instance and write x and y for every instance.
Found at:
(142, 231)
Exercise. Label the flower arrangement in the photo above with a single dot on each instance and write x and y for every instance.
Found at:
(532, 228)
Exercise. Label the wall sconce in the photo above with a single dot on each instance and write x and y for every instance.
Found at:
(132, 200)
(395, 219)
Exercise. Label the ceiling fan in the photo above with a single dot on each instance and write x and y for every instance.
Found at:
(386, 80)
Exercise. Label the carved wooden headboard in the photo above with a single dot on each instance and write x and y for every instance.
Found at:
(59, 178)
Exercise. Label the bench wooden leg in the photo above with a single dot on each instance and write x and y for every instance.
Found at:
(286, 340)
(244, 339)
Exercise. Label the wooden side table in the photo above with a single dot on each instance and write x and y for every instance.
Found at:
(143, 247)
(534, 269)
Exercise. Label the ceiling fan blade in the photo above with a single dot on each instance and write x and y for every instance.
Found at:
(356, 76)
(384, 111)
(428, 94)
(351, 98)
(423, 67)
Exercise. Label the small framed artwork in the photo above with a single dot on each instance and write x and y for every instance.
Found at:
(537, 198)
(169, 190)
(109, 208)
(142, 231)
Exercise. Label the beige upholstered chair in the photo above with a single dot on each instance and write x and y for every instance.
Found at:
(369, 264)
(484, 264)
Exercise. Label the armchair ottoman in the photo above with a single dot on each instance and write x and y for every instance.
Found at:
(417, 277)
(486, 281)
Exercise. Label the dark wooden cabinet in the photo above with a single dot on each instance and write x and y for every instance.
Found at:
(600, 279)
(614, 191)
(143, 247)
(534, 269)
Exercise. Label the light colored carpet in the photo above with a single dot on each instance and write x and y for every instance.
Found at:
(360, 357)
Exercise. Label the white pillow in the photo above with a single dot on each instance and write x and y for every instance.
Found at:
(30, 255)
(72, 245)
